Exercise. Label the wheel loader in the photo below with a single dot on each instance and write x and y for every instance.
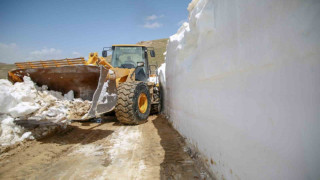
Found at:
(121, 86)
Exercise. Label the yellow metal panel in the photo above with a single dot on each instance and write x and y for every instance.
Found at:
(93, 58)
(50, 63)
(123, 75)
(120, 72)
(105, 63)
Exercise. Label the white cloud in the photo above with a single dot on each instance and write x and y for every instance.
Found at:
(153, 17)
(8, 46)
(46, 53)
(153, 25)
(76, 54)
(11, 53)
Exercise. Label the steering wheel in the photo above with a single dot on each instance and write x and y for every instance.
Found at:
(130, 62)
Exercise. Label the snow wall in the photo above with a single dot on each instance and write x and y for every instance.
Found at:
(243, 85)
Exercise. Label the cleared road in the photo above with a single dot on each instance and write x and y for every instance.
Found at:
(107, 150)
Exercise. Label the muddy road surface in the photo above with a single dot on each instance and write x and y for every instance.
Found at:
(107, 150)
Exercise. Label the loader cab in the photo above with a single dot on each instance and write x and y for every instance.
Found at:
(132, 56)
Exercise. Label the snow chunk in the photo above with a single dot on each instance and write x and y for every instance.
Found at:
(17, 99)
(24, 100)
(23, 109)
(69, 96)
(10, 133)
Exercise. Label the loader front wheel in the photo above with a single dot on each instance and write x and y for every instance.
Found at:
(133, 104)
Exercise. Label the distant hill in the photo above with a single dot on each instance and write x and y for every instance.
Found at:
(4, 68)
(159, 46)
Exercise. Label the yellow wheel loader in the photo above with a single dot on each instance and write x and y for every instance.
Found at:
(121, 86)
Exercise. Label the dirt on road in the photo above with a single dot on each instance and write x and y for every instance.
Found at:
(107, 150)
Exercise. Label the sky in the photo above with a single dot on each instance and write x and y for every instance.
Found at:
(40, 30)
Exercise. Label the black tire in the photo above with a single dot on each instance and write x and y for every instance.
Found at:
(127, 108)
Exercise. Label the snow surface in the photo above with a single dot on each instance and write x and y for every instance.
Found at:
(245, 76)
(162, 82)
(162, 71)
(24, 100)
(89, 150)
(122, 141)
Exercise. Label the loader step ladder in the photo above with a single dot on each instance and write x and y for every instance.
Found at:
(50, 63)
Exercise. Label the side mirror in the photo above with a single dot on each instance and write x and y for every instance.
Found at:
(140, 64)
(104, 53)
(152, 53)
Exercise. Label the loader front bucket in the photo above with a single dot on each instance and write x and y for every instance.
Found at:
(82, 79)
(87, 82)
(105, 97)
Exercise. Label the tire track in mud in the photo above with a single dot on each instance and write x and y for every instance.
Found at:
(33, 157)
(153, 150)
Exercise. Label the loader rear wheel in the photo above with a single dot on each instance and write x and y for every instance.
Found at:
(133, 104)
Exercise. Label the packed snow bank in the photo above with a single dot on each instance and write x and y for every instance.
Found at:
(162, 73)
(242, 84)
(162, 82)
(25, 101)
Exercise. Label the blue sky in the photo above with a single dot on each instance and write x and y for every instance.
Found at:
(38, 29)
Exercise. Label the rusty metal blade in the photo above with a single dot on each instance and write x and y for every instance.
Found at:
(82, 79)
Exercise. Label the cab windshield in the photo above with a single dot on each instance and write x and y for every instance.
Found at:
(127, 57)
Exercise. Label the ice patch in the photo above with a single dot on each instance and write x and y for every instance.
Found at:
(142, 166)
(89, 150)
(123, 141)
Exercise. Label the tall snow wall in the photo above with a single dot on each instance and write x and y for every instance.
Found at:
(243, 85)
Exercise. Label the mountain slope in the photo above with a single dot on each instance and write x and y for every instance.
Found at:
(159, 46)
